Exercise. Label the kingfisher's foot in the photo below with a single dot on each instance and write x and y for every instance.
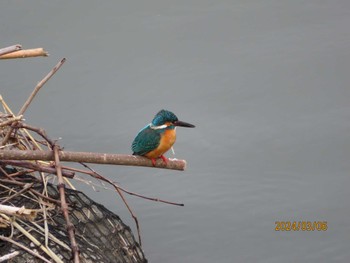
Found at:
(165, 160)
(153, 162)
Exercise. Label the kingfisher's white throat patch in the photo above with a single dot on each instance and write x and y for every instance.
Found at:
(153, 127)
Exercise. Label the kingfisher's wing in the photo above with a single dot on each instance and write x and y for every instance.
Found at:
(146, 140)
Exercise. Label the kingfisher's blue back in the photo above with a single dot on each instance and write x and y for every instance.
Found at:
(146, 140)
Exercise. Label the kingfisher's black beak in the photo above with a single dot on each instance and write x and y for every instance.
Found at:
(183, 124)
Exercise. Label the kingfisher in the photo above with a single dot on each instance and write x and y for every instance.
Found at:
(156, 138)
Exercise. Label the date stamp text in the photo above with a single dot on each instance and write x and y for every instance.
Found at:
(301, 225)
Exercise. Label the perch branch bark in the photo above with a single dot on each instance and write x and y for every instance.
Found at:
(89, 157)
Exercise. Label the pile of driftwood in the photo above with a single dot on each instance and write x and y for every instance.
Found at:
(31, 164)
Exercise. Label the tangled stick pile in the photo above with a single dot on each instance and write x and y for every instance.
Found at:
(39, 220)
(42, 217)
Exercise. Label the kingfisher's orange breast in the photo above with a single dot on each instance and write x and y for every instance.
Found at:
(167, 140)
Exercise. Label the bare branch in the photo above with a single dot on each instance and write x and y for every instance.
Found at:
(36, 167)
(40, 84)
(64, 206)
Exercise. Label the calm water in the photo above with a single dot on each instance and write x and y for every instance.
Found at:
(265, 82)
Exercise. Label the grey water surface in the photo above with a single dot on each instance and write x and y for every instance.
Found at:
(266, 83)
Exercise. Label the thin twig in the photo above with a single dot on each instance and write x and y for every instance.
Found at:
(36, 167)
(31, 97)
(122, 197)
(64, 206)
(39, 85)
(101, 178)
(150, 198)
(19, 173)
(12, 181)
(23, 190)
(39, 131)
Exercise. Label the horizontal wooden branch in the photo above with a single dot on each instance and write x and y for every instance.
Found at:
(89, 157)
(25, 53)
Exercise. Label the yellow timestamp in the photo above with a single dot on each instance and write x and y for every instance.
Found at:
(301, 225)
